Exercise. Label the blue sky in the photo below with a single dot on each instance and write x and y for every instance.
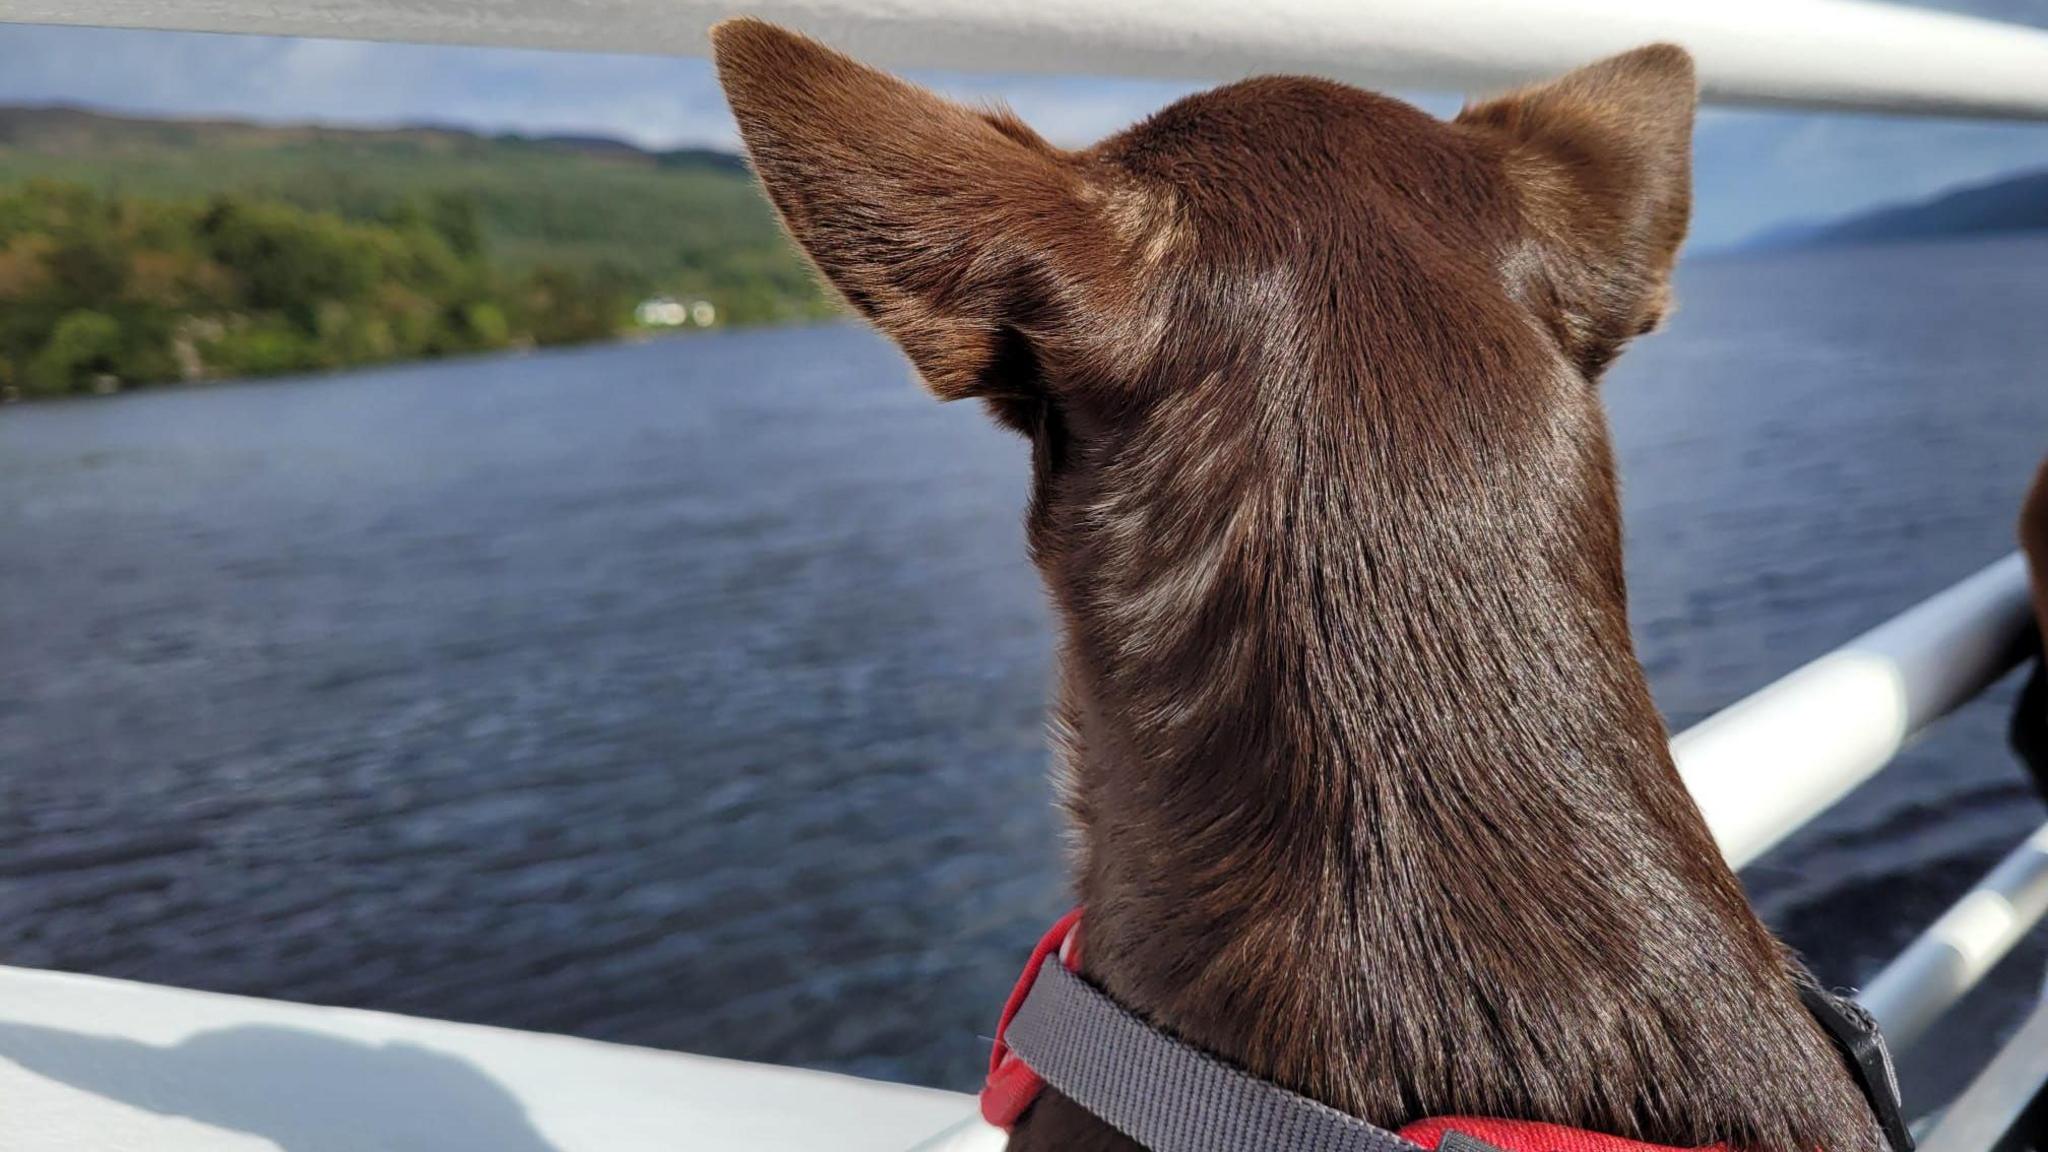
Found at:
(1755, 169)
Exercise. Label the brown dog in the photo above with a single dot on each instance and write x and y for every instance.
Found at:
(1372, 799)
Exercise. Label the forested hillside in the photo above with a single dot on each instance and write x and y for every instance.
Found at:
(138, 251)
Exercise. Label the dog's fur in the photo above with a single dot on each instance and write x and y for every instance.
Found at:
(1371, 796)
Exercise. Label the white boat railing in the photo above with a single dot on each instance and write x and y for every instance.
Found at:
(1770, 762)
(1845, 54)
(1959, 949)
(1761, 768)
(1765, 765)
(2000, 1100)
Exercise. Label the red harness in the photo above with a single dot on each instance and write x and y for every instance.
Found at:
(1012, 1086)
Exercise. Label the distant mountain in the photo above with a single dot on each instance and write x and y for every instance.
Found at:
(59, 129)
(2013, 204)
(690, 222)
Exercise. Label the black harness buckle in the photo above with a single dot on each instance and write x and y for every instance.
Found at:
(1855, 1032)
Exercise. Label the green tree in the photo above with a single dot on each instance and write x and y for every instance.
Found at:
(81, 347)
(150, 291)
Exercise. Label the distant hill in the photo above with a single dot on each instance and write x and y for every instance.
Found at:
(2013, 204)
(689, 222)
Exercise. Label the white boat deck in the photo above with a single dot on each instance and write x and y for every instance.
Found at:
(95, 1065)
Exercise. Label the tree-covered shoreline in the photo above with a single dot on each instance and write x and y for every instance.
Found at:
(136, 253)
(101, 293)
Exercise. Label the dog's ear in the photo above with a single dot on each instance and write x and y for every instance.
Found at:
(963, 235)
(1602, 163)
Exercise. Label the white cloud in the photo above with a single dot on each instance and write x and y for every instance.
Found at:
(649, 100)
(1068, 111)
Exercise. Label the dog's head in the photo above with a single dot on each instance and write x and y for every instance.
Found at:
(1285, 347)
(1289, 246)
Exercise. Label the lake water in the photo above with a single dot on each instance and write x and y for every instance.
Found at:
(689, 693)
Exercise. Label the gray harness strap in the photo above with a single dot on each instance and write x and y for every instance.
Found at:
(1171, 1097)
(1162, 1093)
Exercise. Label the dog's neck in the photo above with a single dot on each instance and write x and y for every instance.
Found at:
(1372, 797)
